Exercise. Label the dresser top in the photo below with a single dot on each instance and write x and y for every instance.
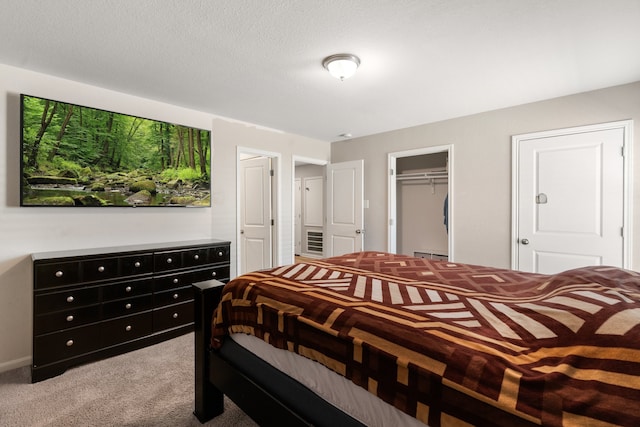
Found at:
(126, 248)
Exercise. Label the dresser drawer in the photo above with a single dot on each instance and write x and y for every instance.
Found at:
(135, 265)
(219, 273)
(173, 296)
(127, 306)
(195, 257)
(66, 300)
(178, 280)
(171, 281)
(219, 254)
(66, 319)
(99, 269)
(65, 344)
(127, 328)
(172, 316)
(164, 261)
(128, 289)
(56, 274)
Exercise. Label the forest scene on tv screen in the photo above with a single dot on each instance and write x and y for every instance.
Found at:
(80, 156)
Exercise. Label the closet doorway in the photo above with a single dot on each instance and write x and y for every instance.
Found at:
(420, 202)
(309, 206)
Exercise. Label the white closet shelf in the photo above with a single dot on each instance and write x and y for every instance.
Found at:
(431, 177)
(422, 175)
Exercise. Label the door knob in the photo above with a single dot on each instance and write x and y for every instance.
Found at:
(524, 241)
(359, 231)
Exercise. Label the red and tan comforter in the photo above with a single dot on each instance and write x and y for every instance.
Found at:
(456, 344)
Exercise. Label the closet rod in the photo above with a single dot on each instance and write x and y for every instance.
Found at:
(422, 175)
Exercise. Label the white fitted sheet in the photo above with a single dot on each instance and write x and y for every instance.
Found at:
(332, 387)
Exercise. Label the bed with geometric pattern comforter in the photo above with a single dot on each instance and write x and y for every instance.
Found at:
(456, 344)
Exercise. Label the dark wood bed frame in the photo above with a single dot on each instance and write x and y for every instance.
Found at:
(268, 396)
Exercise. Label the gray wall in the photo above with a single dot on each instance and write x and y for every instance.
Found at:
(482, 166)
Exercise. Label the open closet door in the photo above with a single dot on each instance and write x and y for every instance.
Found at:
(255, 214)
(297, 216)
(345, 203)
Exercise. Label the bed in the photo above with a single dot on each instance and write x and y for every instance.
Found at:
(435, 342)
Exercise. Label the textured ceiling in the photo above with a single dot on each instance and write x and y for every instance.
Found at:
(259, 61)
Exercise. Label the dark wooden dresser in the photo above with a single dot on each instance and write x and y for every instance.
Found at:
(95, 303)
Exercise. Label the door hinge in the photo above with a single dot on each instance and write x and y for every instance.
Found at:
(391, 172)
(273, 223)
(271, 172)
(622, 231)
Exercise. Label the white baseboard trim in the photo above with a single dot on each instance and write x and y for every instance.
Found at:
(307, 255)
(16, 363)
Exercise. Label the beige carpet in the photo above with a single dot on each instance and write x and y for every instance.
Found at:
(148, 387)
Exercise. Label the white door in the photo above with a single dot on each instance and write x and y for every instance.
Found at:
(255, 214)
(345, 202)
(570, 200)
(297, 215)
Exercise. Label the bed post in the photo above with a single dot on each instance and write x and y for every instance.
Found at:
(209, 401)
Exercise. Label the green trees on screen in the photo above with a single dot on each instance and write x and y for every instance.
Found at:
(58, 135)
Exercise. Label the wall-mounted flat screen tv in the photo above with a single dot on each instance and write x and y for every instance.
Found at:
(73, 155)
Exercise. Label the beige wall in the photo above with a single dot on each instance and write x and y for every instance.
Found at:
(481, 199)
(27, 230)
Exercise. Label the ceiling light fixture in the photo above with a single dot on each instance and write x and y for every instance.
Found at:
(342, 65)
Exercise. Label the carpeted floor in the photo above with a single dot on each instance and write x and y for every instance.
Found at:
(149, 387)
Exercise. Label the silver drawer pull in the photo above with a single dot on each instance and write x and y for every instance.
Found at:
(220, 253)
(175, 315)
(196, 257)
(127, 306)
(176, 296)
(101, 269)
(69, 343)
(70, 298)
(176, 280)
(69, 318)
(137, 264)
(128, 289)
(128, 328)
(169, 260)
(214, 274)
(59, 273)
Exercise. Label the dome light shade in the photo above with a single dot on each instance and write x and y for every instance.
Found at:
(341, 66)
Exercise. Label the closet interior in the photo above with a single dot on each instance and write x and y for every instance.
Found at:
(422, 207)
(309, 210)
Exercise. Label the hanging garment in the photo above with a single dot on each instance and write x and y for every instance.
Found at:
(446, 212)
